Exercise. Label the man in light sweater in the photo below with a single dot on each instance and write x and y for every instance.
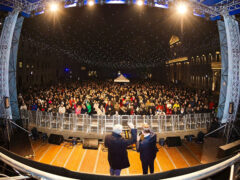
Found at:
(62, 109)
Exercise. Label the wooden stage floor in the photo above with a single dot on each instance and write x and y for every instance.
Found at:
(95, 161)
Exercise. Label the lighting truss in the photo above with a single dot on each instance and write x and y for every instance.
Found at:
(23, 5)
(217, 9)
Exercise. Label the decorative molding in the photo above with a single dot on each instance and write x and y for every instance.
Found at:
(216, 65)
(182, 59)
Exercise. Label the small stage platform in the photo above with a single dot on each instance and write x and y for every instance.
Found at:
(95, 161)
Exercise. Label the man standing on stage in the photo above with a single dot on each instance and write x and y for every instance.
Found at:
(146, 145)
(117, 148)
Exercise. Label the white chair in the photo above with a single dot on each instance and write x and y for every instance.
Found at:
(139, 121)
(181, 122)
(93, 123)
(155, 124)
(66, 122)
(109, 122)
(79, 122)
(56, 121)
(168, 125)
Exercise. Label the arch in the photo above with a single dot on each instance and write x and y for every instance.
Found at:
(233, 44)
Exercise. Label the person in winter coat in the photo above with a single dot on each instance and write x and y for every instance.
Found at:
(146, 145)
(117, 148)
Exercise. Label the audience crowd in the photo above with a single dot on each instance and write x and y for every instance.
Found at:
(107, 98)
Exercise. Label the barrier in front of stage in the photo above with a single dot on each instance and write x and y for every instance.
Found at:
(223, 169)
(102, 124)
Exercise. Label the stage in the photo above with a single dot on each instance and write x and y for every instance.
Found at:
(95, 161)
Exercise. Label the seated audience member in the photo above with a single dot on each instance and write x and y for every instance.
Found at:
(62, 109)
(23, 107)
(131, 99)
(84, 109)
(78, 110)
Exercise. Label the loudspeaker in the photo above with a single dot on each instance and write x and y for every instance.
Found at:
(230, 109)
(6, 102)
(35, 133)
(200, 137)
(55, 139)
(161, 141)
(173, 141)
(89, 143)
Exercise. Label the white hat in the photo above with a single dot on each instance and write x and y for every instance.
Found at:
(117, 129)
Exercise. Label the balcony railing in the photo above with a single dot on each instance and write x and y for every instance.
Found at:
(102, 124)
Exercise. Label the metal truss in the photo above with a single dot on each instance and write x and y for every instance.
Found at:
(224, 70)
(25, 5)
(12, 69)
(233, 87)
(5, 47)
(218, 9)
(204, 9)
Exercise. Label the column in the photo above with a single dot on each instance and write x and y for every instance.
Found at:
(5, 47)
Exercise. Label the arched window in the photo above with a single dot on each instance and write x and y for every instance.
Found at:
(210, 57)
(204, 59)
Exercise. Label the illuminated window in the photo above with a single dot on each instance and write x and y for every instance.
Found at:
(210, 57)
(20, 65)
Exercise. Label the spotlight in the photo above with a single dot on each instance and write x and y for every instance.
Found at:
(139, 3)
(54, 7)
(182, 8)
(90, 3)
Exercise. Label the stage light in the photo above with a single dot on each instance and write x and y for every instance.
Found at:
(140, 3)
(54, 7)
(66, 70)
(182, 8)
(90, 3)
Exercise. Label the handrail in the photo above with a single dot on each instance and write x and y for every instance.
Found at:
(215, 130)
(30, 170)
(208, 171)
(36, 173)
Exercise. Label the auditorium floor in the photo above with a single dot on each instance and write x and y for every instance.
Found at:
(95, 161)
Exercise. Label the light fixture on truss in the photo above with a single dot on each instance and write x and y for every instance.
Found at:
(162, 2)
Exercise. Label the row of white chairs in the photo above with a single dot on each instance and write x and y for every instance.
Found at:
(102, 124)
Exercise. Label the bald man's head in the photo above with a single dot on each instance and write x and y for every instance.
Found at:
(146, 128)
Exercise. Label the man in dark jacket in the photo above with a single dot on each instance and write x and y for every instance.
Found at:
(146, 145)
(117, 148)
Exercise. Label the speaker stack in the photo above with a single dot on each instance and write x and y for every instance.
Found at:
(173, 141)
(90, 143)
(55, 139)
